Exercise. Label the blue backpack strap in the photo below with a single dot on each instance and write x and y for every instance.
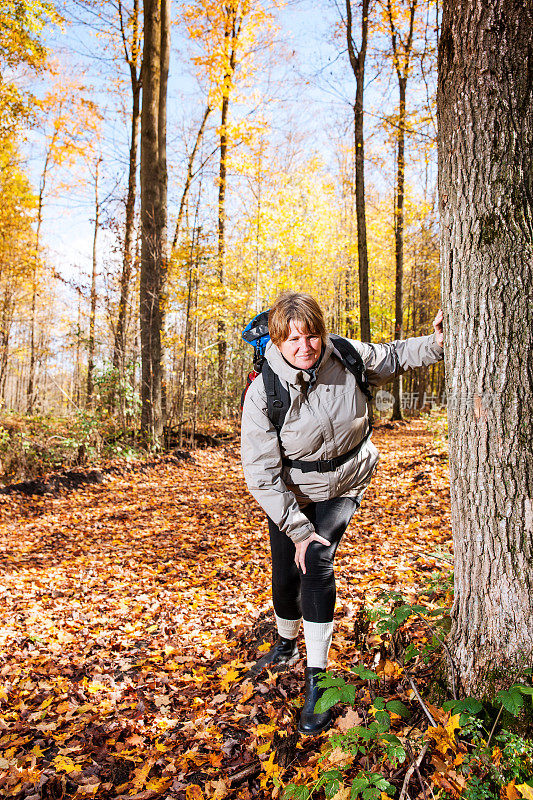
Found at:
(352, 360)
(278, 397)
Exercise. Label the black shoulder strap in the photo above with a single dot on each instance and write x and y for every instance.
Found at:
(352, 360)
(278, 397)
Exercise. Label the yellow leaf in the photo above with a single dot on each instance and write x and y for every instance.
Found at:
(263, 748)
(85, 707)
(526, 791)
(264, 730)
(228, 679)
(510, 791)
(453, 725)
(269, 769)
(158, 784)
(442, 738)
(264, 647)
(63, 764)
(3, 695)
(95, 687)
(141, 773)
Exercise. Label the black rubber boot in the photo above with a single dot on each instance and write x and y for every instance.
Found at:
(311, 723)
(285, 651)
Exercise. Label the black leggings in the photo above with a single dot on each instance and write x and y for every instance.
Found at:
(311, 595)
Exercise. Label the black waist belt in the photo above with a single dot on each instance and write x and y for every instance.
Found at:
(331, 464)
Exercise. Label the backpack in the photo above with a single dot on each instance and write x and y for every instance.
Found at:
(278, 398)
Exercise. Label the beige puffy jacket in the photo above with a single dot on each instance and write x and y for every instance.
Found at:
(325, 420)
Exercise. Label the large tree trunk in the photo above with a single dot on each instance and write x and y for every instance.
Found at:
(153, 214)
(486, 195)
(357, 63)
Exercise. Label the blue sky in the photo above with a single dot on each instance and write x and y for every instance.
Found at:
(313, 88)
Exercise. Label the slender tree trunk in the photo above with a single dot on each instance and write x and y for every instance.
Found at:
(153, 214)
(92, 313)
(163, 179)
(5, 333)
(189, 177)
(486, 195)
(30, 394)
(231, 36)
(132, 58)
(398, 244)
(401, 53)
(119, 348)
(357, 62)
(183, 383)
(221, 325)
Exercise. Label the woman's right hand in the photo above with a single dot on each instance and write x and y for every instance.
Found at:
(301, 547)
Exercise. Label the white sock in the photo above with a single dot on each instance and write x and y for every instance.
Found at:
(288, 628)
(318, 637)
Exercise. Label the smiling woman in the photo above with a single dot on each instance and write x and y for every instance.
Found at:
(310, 474)
(296, 325)
(301, 348)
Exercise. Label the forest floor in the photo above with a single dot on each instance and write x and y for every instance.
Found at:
(133, 609)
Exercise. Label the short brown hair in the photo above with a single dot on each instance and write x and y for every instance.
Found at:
(298, 307)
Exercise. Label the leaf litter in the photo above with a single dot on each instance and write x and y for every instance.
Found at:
(133, 611)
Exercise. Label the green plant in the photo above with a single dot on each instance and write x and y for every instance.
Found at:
(112, 388)
(373, 741)
(488, 759)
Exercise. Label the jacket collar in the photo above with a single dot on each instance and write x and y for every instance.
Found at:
(290, 374)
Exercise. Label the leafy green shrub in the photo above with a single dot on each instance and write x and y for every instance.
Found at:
(32, 446)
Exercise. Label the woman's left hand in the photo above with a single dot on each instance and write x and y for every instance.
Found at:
(301, 547)
(439, 331)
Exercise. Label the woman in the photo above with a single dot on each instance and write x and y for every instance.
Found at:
(308, 511)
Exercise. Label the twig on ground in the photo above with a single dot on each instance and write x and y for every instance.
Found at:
(437, 556)
(423, 705)
(417, 770)
(414, 766)
(446, 650)
(246, 772)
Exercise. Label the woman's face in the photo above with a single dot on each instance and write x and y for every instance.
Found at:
(301, 349)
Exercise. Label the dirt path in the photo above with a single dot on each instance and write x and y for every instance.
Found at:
(132, 609)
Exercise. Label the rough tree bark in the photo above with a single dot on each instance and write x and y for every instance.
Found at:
(153, 214)
(357, 62)
(486, 193)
